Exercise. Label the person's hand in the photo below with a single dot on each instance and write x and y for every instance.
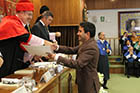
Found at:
(51, 56)
(57, 34)
(38, 58)
(47, 43)
(139, 43)
(54, 46)
(107, 50)
(1, 61)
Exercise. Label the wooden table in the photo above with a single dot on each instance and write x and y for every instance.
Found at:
(58, 84)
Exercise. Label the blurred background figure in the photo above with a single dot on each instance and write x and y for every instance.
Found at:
(103, 63)
(43, 9)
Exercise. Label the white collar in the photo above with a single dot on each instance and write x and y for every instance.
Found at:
(102, 41)
(42, 22)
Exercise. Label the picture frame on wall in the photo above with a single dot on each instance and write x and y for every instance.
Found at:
(128, 21)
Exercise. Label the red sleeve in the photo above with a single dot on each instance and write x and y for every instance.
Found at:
(11, 27)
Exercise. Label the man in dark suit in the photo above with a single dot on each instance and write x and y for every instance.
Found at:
(40, 29)
(87, 59)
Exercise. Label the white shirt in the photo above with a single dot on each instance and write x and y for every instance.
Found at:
(102, 41)
(42, 22)
(0, 54)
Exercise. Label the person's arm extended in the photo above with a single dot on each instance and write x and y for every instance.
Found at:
(30, 39)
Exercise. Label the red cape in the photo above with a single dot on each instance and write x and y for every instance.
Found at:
(11, 26)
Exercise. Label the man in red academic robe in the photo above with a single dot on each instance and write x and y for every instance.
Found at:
(13, 34)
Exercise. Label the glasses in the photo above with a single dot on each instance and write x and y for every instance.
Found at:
(29, 13)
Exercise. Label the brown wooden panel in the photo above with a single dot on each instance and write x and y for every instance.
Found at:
(36, 10)
(65, 11)
(90, 4)
(100, 4)
(109, 4)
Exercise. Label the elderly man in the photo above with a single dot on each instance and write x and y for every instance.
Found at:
(104, 51)
(87, 59)
(13, 34)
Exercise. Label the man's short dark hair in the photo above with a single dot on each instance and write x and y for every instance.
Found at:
(89, 27)
(99, 33)
(44, 8)
(47, 14)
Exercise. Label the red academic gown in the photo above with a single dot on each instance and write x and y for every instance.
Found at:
(12, 34)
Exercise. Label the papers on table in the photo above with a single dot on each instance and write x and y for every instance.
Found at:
(24, 71)
(43, 63)
(10, 80)
(8, 85)
(38, 50)
(21, 89)
(46, 77)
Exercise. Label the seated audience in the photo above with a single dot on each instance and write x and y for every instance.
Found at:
(130, 56)
(137, 46)
(123, 39)
(126, 46)
(137, 65)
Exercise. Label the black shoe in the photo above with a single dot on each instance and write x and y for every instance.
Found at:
(128, 76)
(105, 87)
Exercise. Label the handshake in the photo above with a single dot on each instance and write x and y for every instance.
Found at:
(54, 47)
(49, 56)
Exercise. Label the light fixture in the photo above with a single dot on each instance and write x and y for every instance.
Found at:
(112, 0)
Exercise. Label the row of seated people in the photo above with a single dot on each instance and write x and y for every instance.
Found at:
(132, 62)
(131, 54)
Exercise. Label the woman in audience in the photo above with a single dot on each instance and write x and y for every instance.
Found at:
(134, 38)
(123, 39)
(126, 46)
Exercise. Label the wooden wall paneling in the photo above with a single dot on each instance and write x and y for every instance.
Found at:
(108, 4)
(100, 4)
(90, 4)
(119, 4)
(137, 3)
(65, 11)
(37, 6)
(132, 3)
